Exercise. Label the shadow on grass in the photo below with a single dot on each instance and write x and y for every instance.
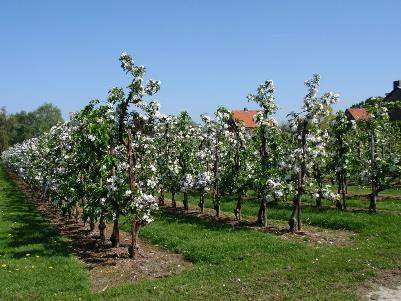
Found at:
(180, 216)
(30, 229)
(217, 224)
(40, 229)
(324, 217)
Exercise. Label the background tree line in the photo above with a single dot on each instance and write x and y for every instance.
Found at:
(17, 127)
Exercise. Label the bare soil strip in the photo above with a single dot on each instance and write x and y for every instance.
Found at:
(381, 197)
(386, 286)
(313, 236)
(108, 266)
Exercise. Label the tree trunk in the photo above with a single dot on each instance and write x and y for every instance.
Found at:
(339, 182)
(237, 210)
(262, 220)
(319, 201)
(131, 162)
(161, 198)
(201, 203)
(216, 192)
(217, 208)
(373, 200)
(102, 227)
(133, 248)
(320, 185)
(340, 190)
(115, 235)
(373, 177)
(76, 213)
(294, 222)
(295, 219)
(344, 191)
(216, 201)
(186, 202)
(91, 224)
(173, 201)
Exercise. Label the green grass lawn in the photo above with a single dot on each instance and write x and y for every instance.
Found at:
(324, 217)
(366, 190)
(229, 263)
(35, 263)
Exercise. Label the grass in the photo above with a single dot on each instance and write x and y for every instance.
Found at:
(229, 263)
(35, 263)
(323, 217)
(396, 191)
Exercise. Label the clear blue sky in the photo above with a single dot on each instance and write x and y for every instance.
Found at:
(205, 53)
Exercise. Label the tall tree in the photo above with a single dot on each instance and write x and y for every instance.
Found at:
(309, 141)
(25, 125)
(4, 129)
(267, 139)
(44, 117)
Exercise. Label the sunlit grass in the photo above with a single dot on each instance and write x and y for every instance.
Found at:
(229, 263)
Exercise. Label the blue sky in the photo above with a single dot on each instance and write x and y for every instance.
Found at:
(205, 53)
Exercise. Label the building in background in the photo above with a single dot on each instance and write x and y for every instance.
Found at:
(246, 117)
(356, 114)
(360, 113)
(395, 95)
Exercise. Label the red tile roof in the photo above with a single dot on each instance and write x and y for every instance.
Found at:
(246, 117)
(357, 113)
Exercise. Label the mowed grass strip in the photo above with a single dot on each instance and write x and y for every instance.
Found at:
(242, 264)
(35, 262)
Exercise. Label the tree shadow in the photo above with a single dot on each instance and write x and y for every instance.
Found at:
(30, 228)
(213, 223)
(40, 229)
(179, 215)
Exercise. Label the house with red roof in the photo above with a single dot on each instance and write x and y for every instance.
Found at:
(357, 114)
(246, 117)
(394, 114)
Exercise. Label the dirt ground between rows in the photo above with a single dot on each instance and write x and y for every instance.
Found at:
(108, 267)
(385, 286)
(381, 197)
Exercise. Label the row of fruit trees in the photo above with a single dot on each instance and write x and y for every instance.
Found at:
(120, 157)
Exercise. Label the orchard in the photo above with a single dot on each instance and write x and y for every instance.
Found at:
(122, 159)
